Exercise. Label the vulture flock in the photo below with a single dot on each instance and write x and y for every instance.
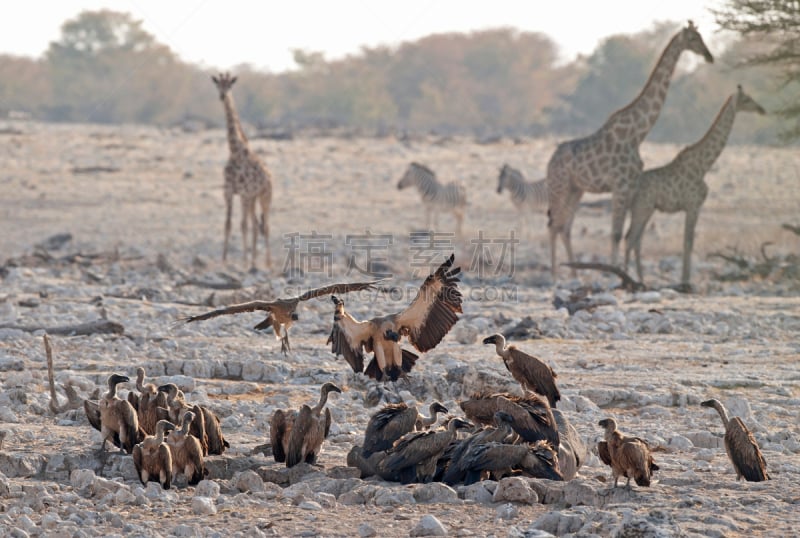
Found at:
(500, 434)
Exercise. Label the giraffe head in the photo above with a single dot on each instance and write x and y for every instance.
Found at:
(745, 103)
(224, 83)
(693, 41)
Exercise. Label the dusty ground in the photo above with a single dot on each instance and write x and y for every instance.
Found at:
(150, 220)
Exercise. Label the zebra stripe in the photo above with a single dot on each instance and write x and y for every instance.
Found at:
(450, 196)
(532, 194)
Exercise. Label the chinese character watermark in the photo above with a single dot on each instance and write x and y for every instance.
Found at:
(427, 249)
(308, 253)
(493, 256)
(372, 249)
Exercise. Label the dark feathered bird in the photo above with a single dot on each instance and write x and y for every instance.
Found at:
(429, 317)
(572, 451)
(413, 457)
(537, 460)
(153, 458)
(741, 446)
(457, 465)
(533, 418)
(533, 374)
(282, 312)
(395, 420)
(628, 456)
(297, 436)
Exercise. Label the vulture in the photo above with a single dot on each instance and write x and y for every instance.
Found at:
(153, 458)
(205, 426)
(533, 418)
(187, 454)
(150, 404)
(429, 317)
(281, 313)
(297, 436)
(628, 456)
(453, 460)
(533, 374)
(741, 446)
(537, 460)
(572, 451)
(117, 417)
(395, 420)
(368, 465)
(414, 456)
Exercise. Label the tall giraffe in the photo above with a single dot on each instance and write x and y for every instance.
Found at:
(245, 175)
(609, 160)
(679, 185)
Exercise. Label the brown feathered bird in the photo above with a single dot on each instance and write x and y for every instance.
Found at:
(281, 313)
(628, 456)
(533, 374)
(393, 421)
(741, 446)
(150, 404)
(187, 454)
(118, 417)
(426, 321)
(297, 436)
(533, 418)
(153, 458)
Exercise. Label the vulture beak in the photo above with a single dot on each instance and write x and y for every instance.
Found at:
(163, 388)
(295, 317)
(391, 335)
(440, 408)
(489, 339)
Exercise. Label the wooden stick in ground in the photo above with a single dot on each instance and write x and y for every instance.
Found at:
(74, 401)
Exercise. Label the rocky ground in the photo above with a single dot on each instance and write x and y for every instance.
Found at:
(144, 211)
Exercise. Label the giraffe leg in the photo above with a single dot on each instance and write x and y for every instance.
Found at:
(265, 203)
(228, 211)
(688, 244)
(573, 200)
(254, 232)
(243, 226)
(618, 209)
(640, 216)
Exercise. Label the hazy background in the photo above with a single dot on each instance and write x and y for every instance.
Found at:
(487, 69)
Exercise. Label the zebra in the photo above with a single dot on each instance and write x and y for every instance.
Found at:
(448, 197)
(527, 196)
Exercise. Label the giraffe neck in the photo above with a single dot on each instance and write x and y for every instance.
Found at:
(237, 141)
(639, 117)
(706, 150)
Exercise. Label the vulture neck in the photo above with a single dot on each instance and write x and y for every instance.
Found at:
(431, 420)
(500, 345)
(160, 434)
(185, 426)
(723, 413)
(140, 380)
(112, 389)
(323, 399)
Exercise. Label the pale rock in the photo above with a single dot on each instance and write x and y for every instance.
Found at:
(481, 492)
(326, 500)
(507, 511)
(435, 492)
(81, 478)
(248, 481)
(365, 530)
(515, 489)
(51, 521)
(739, 407)
(558, 523)
(393, 497)
(310, 505)
(184, 382)
(203, 506)
(252, 370)
(705, 454)
(207, 488)
(102, 486)
(429, 526)
(466, 334)
(124, 496)
(679, 443)
(198, 368)
(648, 297)
(184, 530)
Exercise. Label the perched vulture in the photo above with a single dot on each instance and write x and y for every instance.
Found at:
(414, 456)
(628, 456)
(741, 446)
(187, 454)
(533, 374)
(395, 420)
(117, 417)
(537, 460)
(429, 317)
(205, 426)
(150, 404)
(533, 418)
(454, 462)
(153, 458)
(281, 313)
(297, 436)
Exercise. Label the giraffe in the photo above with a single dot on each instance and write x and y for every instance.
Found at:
(679, 185)
(609, 160)
(245, 175)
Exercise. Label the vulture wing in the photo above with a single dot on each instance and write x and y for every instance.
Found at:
(277, 431)
(535, 375)
(387, 426)
(434, 310)
(744, 452)
(251, 306)
(348, 338)
(298, 439)
(602, 451)
(338, 289)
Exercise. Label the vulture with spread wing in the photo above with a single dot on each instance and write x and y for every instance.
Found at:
(281, 313)
(429, 317)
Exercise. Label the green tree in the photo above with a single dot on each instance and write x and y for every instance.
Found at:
(777, 24)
